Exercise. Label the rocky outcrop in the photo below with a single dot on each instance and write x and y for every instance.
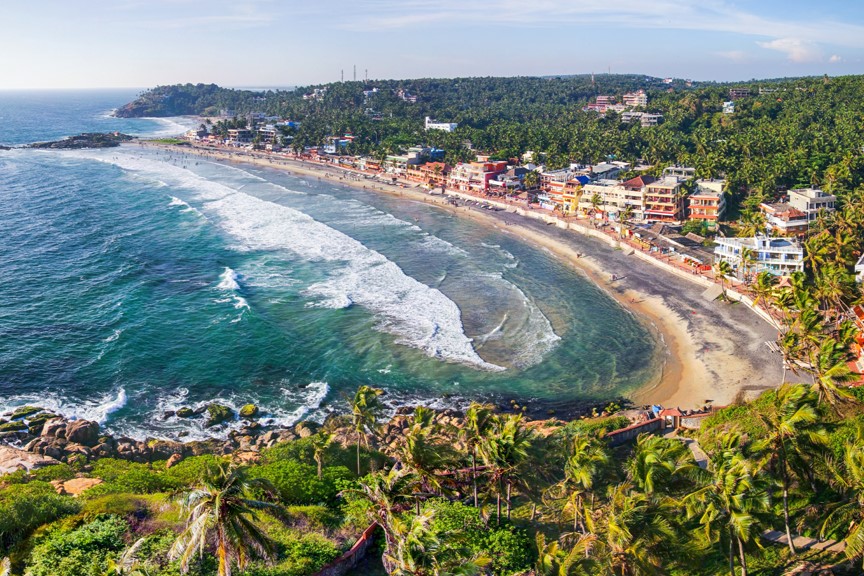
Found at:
(217, 414)
(76, 486)
(86, 140)
(13, 459)
(248, 411)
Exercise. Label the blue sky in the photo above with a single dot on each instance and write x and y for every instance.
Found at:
(142, 43)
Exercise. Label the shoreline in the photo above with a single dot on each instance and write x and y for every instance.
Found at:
(704, 358)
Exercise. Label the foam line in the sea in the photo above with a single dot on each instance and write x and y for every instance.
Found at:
(98, 410)
(419, 316)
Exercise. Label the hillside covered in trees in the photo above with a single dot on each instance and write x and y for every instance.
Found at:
(799, 132)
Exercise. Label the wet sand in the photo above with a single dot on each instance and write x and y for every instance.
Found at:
(713, 350)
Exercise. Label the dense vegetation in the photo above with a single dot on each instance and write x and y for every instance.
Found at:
(808, 131)
(480, 494)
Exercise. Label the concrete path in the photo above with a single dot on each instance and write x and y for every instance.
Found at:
(803, 542)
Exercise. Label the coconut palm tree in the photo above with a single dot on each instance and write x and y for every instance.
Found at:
(764, 288)
(847, 515)
(556, 558)
(365, 408)
(830, 371)
(222, 506)
(503, 451)
(320, 443)
(478, 421)
(639, 531)
(422, 452)
(587, 459)
(722, 269)
(726, 504)
(748, 260)
(657, 461)
(790, 438)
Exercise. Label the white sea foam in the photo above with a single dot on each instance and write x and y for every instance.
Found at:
(98, 410)
(419, 316)
(228, 280)
(113, 337)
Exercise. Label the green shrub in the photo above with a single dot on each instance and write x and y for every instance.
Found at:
(56, 472)
(190, 470)
(510, 549)
(298, 483)
(83, 551)
(25, 507)
(299, 557)
(133, 477)
(301, 450)
(121, 504)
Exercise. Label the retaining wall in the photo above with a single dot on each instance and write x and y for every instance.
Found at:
(352, 557)
(628, 434)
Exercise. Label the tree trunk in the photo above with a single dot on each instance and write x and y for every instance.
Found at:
(222, 551)
(731, 553)
(320, 471)
(498, 513)
(743, 557)
(474, 472)
(358, 457)
(786, 510)
(509, 486)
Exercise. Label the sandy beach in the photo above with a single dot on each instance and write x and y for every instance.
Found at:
(713, 350)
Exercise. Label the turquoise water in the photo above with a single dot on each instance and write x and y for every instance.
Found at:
(137, 281)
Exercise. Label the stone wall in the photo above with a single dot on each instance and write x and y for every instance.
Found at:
(628, 434)
(352, 557)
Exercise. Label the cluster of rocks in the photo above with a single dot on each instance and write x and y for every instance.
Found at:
(46, 438)
(86, 140)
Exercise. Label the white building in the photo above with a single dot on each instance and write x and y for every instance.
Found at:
(635, 99)
(729, 107)
(811, 201)
(445, 126)
(859, 269)
(779, 256)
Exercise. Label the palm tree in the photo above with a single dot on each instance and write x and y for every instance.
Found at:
(320, 443)
(587, 458)
(503, 451)
(727, 503)
(222, 505)
(421, 453)
(478, 420)
(638, 531)
(365, 407)
(656, 461)
(722, 269)
(764, 288)
(554, 559)
(829, 370)
(748, 259)
(847, 516)
(790, 437)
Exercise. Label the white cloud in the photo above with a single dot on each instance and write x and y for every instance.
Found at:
(796, 50)
(734, 55)
(834, 59)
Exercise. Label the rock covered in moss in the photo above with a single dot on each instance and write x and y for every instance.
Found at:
(24, 412)
(249, 411)
(217, 414)
(185, 412)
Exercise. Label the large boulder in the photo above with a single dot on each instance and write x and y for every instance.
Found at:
(82, 432)
(217, 414)
(55, 428)
(76, 486)
(249, 411)
(24, 412)
(185, 412)
(12, 460)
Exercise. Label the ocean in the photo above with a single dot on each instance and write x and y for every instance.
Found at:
(138, 281)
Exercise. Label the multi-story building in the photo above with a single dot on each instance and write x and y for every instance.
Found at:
(778, 256)
(635, 99)
(680, 172)
(562, 189)
(811, 201)
(708, 202)
(738, 93)
(445, 126)
(432, 173)
(474, 177)
(729, 107)
(784, 219)
(606, 193)
(664, 200)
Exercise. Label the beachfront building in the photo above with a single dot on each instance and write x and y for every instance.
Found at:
(601, 197)
(238, 137)
(435, 125)
(778, 256)
(784, 219)
(433, 174)
(665, 200)
(561, 189)
(811, 201)
(708, 202)
(507, 182)
(474, 177)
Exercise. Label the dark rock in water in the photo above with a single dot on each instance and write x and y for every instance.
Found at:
(168, 414)
(86, 140)
(200, 410)
(185, 412)
(24, 411)
(249, 411)
(218, 413)
(5, 148)
(37, 422)
(16, 426)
